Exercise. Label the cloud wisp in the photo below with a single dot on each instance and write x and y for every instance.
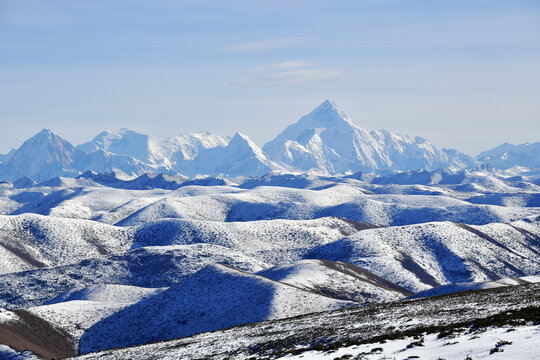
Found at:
(263, 45)
(291, 77)
(292, 64)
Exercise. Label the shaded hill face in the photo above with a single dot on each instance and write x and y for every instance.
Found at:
(103, 316)
(146, 267)
(214, 298)
(108, 315)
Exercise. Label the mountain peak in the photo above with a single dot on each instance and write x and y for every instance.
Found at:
(327, 106)
(327, 114)
(44, 133)
(239, 137)
(44, 136)
(241, 141)
(43, 156)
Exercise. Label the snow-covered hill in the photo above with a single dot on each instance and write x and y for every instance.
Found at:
(337, 280)
(444, 324)
(214, 298)
(151, 267)
(339, 197)
(82, 259)
(32, 241)
(472, 286)
(416, 257)
(422, 256)
(106, 316)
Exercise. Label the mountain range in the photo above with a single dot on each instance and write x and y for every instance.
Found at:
(323, 142)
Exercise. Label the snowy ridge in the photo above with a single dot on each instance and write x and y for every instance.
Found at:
(240, 157)
(507, 156)
(107, 293)
(336, 280)
(471, 286)
(150, 149)
(33, 241)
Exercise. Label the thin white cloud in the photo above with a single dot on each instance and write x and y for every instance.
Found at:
(292, 64)
(291, 77)
(284, 65)
(265, 44)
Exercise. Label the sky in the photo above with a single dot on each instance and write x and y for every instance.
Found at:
(464, 74)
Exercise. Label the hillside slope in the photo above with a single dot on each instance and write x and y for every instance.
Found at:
(214, 298)
(330, 331)
(337, 280)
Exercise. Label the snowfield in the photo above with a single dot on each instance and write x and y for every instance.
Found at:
(508, 342)
(290, 264)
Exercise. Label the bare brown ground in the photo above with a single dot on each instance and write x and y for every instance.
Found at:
(34, 334)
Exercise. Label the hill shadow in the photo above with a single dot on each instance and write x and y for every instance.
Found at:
(209, 300)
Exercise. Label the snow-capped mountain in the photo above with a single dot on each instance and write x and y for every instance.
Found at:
(506, 156)
(189, 145)
(153, 150)
(103, 161)
(145, 148)
(47, 155)
(240, 157)
(326, 140)
(43, 156)
(5, 157)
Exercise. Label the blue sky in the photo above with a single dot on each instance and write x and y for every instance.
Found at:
(462, 73)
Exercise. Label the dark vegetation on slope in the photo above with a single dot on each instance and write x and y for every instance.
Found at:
(473, 310)
(37, 335)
